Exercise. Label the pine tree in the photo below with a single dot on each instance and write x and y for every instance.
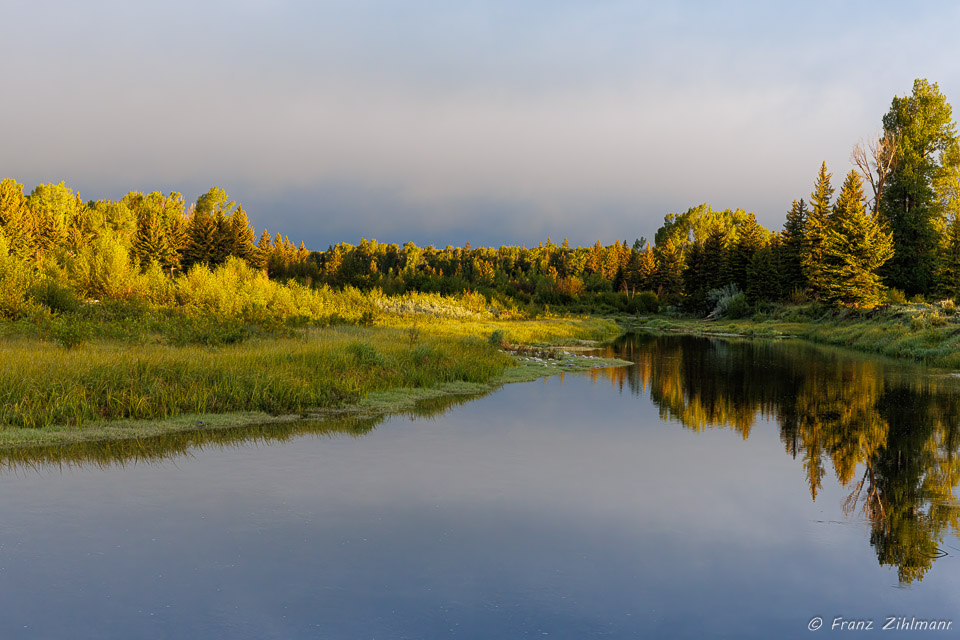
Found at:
(646, 269)
(950, 265)
(694, 284)
(763, 277)
(816, 231)
(669, 274)
(200, 239)
(855, 247)
(242, 236)
(715, 258)
(150, 244)
(261, 252)
(794, 239)
(223, 239)
(750, 239)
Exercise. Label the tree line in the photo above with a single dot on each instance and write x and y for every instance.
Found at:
(895, 224)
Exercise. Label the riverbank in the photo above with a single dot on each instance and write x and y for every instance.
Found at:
(105, 389)
(929, 334)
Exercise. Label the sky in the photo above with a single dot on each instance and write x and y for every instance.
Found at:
(443, 122)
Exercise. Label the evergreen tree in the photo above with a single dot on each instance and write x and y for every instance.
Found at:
(694, 283)
(223, 239)
(261, 252)
(242, 235)
(150, 244)
(200, 239)
(855, 247)
(715, 270)
(750, 239)
(816, 231)
(794, 239)
(669, 274)
(763, 277)
(950, 265)
(927, 147)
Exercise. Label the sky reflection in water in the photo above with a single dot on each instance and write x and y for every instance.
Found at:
(574, 508)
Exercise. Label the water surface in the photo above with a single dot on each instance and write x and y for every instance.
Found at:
(714, 489)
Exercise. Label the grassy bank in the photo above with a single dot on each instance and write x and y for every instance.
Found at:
(135, 385)
(929, 334)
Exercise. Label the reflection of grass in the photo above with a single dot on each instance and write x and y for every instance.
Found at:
(107, 388)
(916, 332)
(176, 443)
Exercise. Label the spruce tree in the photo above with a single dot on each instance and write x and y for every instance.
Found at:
(261, 252)
(750, 239)
(763, 278)
(200, 239)
(715, 257)
(816, 231)
(223, 239)
(950, 265)
(855, 247)
(242, 235)
(669, 274)
(794, 239)
(150, 244)
(693, 278)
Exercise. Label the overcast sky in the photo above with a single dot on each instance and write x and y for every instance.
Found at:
(494, 122)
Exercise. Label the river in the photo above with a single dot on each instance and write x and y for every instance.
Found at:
(715, 488)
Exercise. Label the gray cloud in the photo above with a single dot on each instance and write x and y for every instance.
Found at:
(441, 123)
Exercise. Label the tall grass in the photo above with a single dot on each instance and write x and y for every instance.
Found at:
(921, 332)
(43, 384)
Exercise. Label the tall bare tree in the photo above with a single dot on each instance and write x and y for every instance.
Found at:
(875, 159)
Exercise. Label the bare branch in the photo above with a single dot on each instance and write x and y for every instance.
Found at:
(875, 161)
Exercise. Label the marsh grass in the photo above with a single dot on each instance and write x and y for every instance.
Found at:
(921, 332)
(163, 366)
(44, 384)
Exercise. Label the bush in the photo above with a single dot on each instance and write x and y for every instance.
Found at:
(647, 302)
(895, 296)
(69, 334)
(207, 329)
(738, 306)
(497, 338)
(729, 302)
(57, 296)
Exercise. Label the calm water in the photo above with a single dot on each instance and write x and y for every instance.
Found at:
(714, 489)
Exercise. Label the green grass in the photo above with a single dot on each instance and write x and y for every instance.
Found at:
(919, 332)
(138, 384)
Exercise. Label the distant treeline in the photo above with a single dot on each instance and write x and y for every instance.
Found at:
(904, 236)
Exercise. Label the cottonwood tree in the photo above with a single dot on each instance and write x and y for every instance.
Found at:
(927, 149)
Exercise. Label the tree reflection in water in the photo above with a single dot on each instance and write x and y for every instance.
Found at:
(888, 429)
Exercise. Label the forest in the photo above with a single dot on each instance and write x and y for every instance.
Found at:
(892, 233)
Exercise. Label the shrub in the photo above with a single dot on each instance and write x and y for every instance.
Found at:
(69, 334)
(57, 296)
(738, 306)
(497, 338)
(647, 302)
(205, 329)
(895, 296)
(724, 297)
(798, 296)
